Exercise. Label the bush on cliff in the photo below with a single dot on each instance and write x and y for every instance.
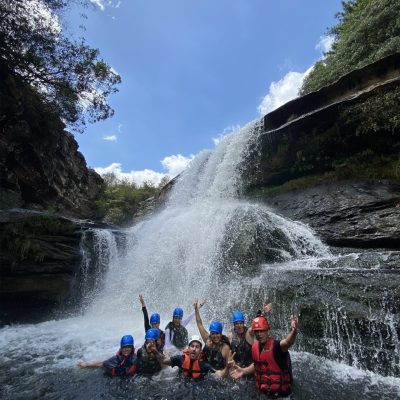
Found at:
(367, 31)
(120, 199)
(28, 238)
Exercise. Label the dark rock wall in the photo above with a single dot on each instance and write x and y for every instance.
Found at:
(39, 259)
(348, 213)
(40, 165)
(313, 162)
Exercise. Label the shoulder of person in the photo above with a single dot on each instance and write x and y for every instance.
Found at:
(205, 367)
(177, 361)
(225, 340)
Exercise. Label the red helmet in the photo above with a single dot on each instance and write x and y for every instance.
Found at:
(260, 324)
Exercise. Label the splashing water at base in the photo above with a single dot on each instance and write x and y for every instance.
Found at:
(203, 243)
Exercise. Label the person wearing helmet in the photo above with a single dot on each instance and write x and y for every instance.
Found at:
(148, 355)
(240, 345)
(191, 364)
(241, 337)
(153, 322)
(217, 348)
(271, 360)
(176, 333)
(124, 363)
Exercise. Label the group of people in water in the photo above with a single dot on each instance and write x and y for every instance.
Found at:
(245, 351)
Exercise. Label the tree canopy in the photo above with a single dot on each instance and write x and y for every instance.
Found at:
(70, 76)
(367, 30)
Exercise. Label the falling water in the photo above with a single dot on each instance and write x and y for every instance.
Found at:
(205, 242)
(203, 238)
(99, 250)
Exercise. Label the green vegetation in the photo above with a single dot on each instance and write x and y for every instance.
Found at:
(366, 165)
(375, 114)
(367, 31)
(118, 200)
(70, 76)
(22, 238)
(360, 141)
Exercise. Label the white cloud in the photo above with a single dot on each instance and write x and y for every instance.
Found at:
(282, 91)
(39, 13)
(99, 3)
(226, 132)
(138, 177)
(111, 138)
(87, 97)
(102, 4)
(176, 164)
(288, 87)
(114, 71)
(325, 44)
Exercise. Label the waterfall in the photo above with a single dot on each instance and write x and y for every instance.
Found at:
(203, 239)
(207, 241)
(99, 251)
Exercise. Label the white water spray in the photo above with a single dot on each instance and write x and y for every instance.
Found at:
(204, 242)
(204, 237)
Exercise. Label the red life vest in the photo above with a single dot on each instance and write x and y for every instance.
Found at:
(270, 377)
(191, 369)
(126, 366)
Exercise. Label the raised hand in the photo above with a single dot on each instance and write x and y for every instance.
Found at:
(293, 322)
(231, 362)
(141, 299)
(151, 347)
(202, 303)
(236, 372)
(267, 308)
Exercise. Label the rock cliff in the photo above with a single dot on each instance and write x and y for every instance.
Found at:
(331, 159)
(40, 169)
(40, 165)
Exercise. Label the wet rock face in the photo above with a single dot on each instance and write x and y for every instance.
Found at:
(346, 214)
(347, 306)
(40, 257)
(40, 165)
(48, 264)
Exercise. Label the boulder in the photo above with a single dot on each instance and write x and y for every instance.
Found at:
(40, 258)
(362, 214)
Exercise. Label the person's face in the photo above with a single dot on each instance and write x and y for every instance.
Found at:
(215, 337)
(155, 326)
(238, 327)
(125, 351)
(150, 346)
(194, 350)
(176, 320)
(261, 336)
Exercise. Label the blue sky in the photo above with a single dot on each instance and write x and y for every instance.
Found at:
(192, 70)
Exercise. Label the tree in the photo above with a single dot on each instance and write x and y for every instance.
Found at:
(70, 76)
(367, 31)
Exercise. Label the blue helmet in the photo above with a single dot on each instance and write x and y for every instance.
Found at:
(237, 316)
(152, 334)
(126, 341)
(216, 326)
(178, 312)
(155, 318)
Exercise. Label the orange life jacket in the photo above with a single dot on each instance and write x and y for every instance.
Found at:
(270, 377)
(190, 369)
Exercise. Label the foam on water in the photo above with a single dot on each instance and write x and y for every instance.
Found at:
(198, 245)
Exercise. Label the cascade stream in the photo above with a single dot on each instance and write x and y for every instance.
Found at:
(208, 242)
